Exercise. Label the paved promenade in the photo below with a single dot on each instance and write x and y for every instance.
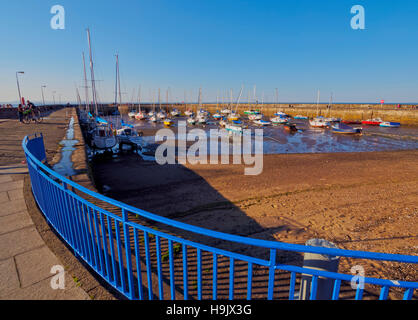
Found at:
(25, 259)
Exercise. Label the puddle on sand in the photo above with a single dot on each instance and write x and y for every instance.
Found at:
(65, 165)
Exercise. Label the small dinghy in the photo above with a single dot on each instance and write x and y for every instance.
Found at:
(217, 115)
(141, 115)
(191, 121)
(279, 120)
(255, 116)
(262, 122)
(175, 113)
(127, 134)
(342, 128)
(290, 127)
(299, 117)
(319, 122)
(390, 124)
(234, 128)
(168, 122)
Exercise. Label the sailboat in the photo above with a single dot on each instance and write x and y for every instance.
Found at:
(102, 135)
(140, 115)
(128, 134)
(202, 115)
(319, 121)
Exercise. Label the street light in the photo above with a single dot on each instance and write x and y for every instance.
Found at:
(42, 90)
(18, 86)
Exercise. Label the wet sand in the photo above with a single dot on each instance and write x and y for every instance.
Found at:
(362, 201)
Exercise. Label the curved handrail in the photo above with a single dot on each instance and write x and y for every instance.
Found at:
(69, 234)
(229, 237)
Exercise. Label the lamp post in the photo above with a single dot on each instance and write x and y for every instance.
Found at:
(18, 86)
(43, 98)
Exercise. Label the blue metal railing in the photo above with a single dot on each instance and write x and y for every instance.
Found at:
(132, 257)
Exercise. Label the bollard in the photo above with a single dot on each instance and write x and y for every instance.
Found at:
(319, 262)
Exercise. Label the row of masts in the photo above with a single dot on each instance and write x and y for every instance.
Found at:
(118, 93)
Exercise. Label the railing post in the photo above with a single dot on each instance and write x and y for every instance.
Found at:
(318, 288)
(128, 253)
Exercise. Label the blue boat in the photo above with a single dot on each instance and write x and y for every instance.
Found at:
(342, 128)
(390, 124)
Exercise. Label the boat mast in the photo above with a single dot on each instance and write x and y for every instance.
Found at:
(139, 99)
(317, 104)
(93, 85)
(255, 96)
(277, 98)
(86, 85)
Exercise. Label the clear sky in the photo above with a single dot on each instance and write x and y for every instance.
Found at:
(297, 46)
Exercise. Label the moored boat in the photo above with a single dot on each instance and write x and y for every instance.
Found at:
(290, 127)
(372, 122)
(319, 122)
(279, 120)
(390, 124)
(299, 117)
(342, 128)
(168, 122)
(262, 122)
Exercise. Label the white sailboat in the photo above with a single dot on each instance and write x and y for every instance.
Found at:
(102, 135)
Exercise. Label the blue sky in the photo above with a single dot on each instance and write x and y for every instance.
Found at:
(297, 46)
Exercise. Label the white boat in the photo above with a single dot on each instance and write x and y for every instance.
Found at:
(223, 123)
(128, 134)
(233, 116)
(202, 119)
(234, 128)
(191, 120)
(217, 116)
(153, 118)
(319, 122)
(333, 120)
(225, 111)
(175, 113)
(390, 124)
(140, 115)
(103, 137)
(279, 120)
(131, 114)
(151, 113)
(255, 116)
(161, 115)
(188, 113)
(262, 122)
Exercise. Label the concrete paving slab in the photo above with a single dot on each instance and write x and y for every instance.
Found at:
(10, 207)
(19, 241)
(15, 194)
(5, 178)
(4, 197)
(14, 222)
(9, 278)
(11, 185)
(43, 291)
(35, 265)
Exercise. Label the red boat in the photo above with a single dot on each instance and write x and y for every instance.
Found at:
(372, 122)
(351, 121)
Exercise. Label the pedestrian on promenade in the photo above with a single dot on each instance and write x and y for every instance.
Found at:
(20, 112)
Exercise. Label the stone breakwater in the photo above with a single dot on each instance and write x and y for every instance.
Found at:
(407, 114)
